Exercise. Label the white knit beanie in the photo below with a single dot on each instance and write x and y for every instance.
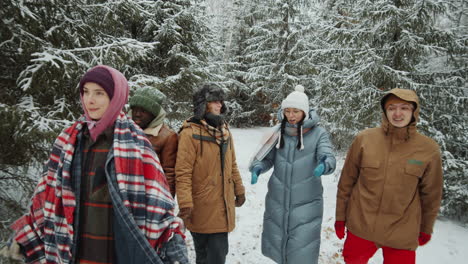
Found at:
(297, 99)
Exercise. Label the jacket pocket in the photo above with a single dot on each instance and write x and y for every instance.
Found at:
(369, 173)
(412, 175)
(409, 185)
(369, 167)
(370, 163)
(414, 170)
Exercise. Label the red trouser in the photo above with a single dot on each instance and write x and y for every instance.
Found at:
(358, 251)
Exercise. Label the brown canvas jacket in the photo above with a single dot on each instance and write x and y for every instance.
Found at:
(165, 145)
(202, 185)
(390, 187)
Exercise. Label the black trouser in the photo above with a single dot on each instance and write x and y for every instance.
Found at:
(211, 248)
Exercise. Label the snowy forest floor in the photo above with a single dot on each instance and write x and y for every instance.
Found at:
(448, 245)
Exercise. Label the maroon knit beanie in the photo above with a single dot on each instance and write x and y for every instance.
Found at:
(100, 76)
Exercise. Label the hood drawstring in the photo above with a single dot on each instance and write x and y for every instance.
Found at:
(281, 133)
(300, 135)
(301, 139)
(279, 139)
(407, 133)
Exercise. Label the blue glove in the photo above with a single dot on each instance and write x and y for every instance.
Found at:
(256, 170)
(320, 169)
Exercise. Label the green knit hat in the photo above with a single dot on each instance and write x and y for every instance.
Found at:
(149, 99)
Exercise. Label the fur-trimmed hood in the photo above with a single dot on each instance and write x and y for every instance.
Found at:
(207, 93)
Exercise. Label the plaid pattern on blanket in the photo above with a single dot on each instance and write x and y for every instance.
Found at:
(46, 230)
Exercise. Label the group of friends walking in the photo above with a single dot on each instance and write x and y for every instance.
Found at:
(109, 189)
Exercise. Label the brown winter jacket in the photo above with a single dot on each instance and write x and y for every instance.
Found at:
(165, 145)
(391, 183)
(202, 184)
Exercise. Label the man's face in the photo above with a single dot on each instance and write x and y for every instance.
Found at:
(214, 107)
(142, 117)
(399, 115)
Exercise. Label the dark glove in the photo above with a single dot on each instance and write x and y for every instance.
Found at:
(423, 238)
(340, 229)
(240, 200)
(185, 213)
(256, 170)
(320, 169)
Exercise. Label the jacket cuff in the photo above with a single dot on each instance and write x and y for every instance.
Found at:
(238, 190)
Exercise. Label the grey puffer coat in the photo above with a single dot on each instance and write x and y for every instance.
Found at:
(294, 202)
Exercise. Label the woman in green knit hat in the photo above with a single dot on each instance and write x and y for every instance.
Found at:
(146, 111)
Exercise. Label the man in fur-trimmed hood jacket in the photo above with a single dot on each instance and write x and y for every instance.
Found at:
(390, 188)
(208, 183)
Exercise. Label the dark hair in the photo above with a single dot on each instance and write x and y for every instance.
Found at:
(299, 129)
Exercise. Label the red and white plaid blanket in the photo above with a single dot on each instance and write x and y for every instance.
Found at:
(46, 231)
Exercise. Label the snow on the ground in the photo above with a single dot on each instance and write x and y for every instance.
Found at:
(449, 242)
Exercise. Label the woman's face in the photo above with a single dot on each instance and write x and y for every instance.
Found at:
(293, 115)
(95, 100)
(214, 107)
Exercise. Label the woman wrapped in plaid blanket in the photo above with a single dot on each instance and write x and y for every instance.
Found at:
(103, 197)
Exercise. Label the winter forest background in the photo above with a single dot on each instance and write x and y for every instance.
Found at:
(346, 53)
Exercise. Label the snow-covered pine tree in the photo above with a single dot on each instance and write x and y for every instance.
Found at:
(231, 22)
(374, 46)
(449, 100)
(179, 61)
(269, 59)
(233, 36)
